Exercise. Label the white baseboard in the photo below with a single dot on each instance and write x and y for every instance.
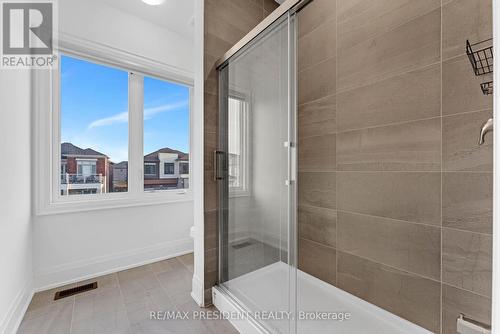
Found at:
(87, 269)
(10, 323)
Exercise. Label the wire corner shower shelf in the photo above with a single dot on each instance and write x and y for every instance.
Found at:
(487, 87)
(480, 55)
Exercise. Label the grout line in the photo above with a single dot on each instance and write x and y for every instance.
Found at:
(411, 19)
(389, 124)
(410, 272)
(441, 180)
(314, 206)
(373, 171)
(308, 67)
(318, 99)
(336, 146)
(406, 271)
(72, 315)
(388, 218)
(387, 77)
(123, 299)
(468, 112)
(318, 243)
(466, 290)
(490, 235)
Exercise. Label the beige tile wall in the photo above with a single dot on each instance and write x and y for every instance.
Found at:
(395, 196)
(226, 22)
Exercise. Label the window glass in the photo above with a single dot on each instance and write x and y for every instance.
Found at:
(94, 127)
(235, 142)
(150, 169)
(184, 168)
(166, 133)
(169, 168)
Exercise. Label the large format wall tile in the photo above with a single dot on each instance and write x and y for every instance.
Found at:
(317, 260)
(318, 224)
(467, 260)
(461, 87)
(211, 230)
(410, 196)
(317, 153)
(406, 246)
(318, 45)
(243, 15)
(317, 118)
(461, 151)
(360, 20)
(409, 146)
(317, 81)
(408, 47)
(313, 15)
(468, 201)
(411, 297)
(398, 99)
(317, 189)
(465, 19)
(457, 301)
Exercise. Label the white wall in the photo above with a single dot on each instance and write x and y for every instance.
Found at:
(69, 247)
(15, 197)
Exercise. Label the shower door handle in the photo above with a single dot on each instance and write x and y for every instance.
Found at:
(218, 165)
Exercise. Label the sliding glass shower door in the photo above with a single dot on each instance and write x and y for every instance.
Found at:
(255, 169)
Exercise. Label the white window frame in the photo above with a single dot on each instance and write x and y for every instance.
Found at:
(244, 189)
(47, 132)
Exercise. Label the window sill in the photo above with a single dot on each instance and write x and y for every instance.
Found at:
(114, 201)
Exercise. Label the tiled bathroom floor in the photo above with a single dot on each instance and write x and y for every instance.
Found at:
(122, 304)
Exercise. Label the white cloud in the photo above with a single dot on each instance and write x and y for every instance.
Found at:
(118, 118)
(148, 114)
(151, 112)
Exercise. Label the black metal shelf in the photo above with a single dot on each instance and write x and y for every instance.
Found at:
(487, 87)
(481, 56)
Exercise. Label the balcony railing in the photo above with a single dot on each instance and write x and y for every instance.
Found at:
(82, 179)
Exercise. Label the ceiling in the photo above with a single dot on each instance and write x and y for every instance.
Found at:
(176, 15)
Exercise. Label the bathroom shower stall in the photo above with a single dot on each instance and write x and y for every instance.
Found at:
(352, 193)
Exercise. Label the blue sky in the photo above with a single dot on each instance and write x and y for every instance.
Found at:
(94, 103)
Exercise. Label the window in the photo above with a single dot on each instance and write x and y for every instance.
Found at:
(94, 125)
(169, 168)
(237, 146)
(166, 132)
(109, 123)
(183, 168)
(150, 169)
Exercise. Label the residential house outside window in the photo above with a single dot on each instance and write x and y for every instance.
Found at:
(166, 133)
(169, 168)
(94, 115)
(94, 125)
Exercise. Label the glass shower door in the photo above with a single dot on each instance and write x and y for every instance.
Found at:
(255, 172)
